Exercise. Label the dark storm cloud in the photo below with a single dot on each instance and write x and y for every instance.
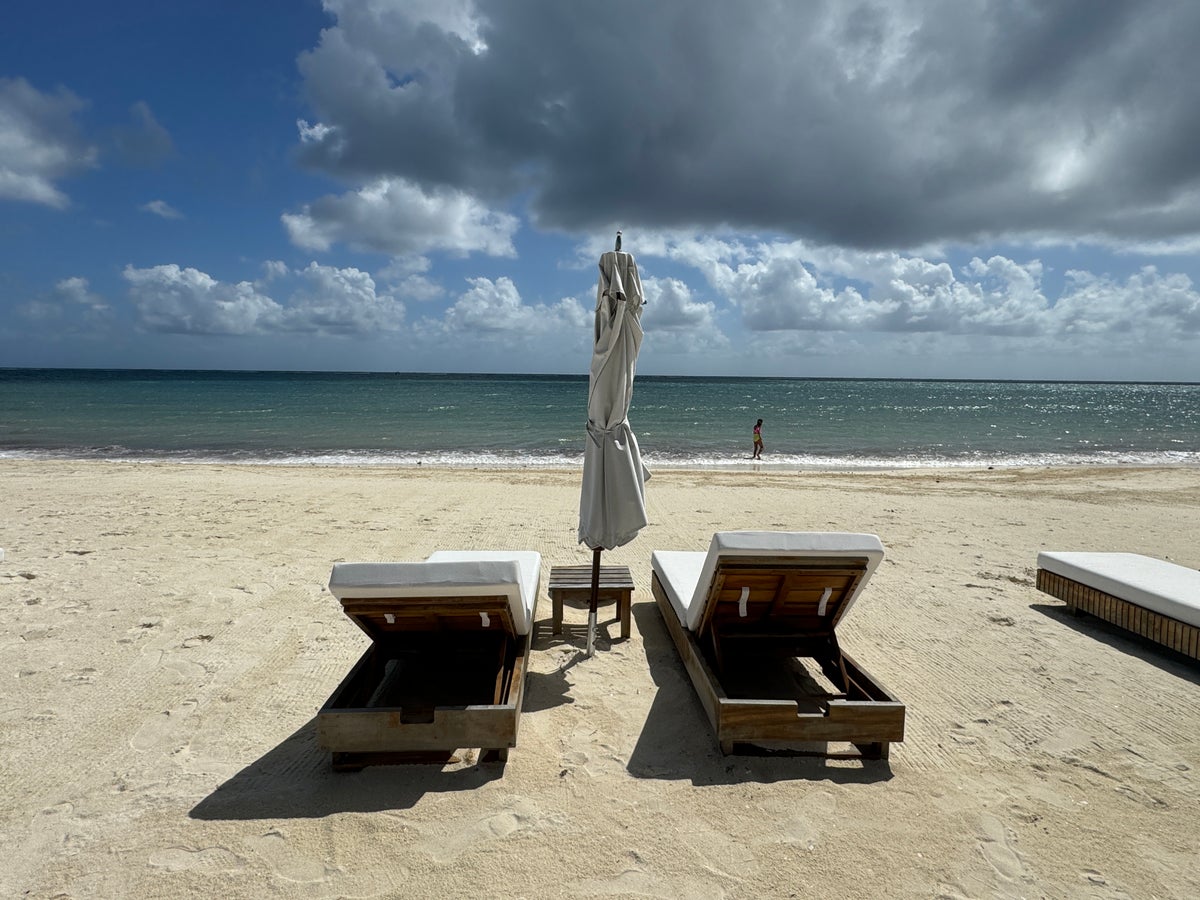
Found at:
(875, 124)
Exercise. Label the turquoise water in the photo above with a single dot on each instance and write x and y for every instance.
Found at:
(515, 420)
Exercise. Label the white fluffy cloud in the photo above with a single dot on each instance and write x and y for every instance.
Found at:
(39, 143)
(676, 322)
(326, 300)
(1147, 306)
(341, 301)
(186, 301)
(396, 217)
(490, 307)
(787, 286)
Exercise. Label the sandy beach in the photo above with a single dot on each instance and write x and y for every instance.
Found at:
(168, 638)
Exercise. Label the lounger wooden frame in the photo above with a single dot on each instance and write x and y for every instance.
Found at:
(782, 620)
(1081, 598)
(436, 646)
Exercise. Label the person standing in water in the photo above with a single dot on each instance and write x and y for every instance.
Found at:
(758, 444)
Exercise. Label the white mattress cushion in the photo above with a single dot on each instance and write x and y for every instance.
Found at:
(1155, 584)
(690, 582)
(449, 573)
(678, 571)
(529, 573)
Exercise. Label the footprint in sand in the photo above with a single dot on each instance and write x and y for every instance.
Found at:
(517, 816)
(182, 670)
(588, 754)
(56, 830)
(169, 731)
(720, 854)
(810, 822)
(212, 860)
(288, 861)
(996, 845)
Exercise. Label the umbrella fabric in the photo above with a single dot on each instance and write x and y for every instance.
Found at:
(612, 503)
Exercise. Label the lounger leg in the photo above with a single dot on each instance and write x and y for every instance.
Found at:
(347, 762)
(726, 748)
(878, 750)
(493, 754)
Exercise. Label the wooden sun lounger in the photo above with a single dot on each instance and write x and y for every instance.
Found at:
(762, 618)
(447, 664)
(1150, 597)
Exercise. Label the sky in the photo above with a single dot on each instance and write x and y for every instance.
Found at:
(885, 188)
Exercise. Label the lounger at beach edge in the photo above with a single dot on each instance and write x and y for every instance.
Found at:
(451, 639)
(748, 614)
(1150, 597)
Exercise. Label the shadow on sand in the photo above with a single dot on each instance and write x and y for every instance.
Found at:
(1124, 641)
(296, 778)
(677, 741)
(296, 781)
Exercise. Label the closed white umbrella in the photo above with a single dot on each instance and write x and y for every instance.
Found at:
(612, 501)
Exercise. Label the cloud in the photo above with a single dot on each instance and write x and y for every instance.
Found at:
(341, 301)
(143, 142)
(495, 307)
(70, 308)
(1146, 307)
(675, 322)
(780, 287)
(39, 143)
(178, 300)
(870, 125)
(324, 300)
(161, 208)
(399, 218)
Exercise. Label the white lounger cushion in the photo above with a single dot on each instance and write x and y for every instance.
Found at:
(687, 575)
(1155, 584)
(515, 574)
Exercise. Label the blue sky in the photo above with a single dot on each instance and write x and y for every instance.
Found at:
(961, 188)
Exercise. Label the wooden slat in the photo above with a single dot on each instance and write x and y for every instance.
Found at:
(1172, 633)
(570, 578)
(490, 664)
(427, 614)
(870, 718)
(785, 591)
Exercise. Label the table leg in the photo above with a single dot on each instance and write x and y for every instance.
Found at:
(624, 605)
(558, 614)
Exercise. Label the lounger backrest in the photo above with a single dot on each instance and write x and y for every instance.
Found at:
(431, 596)
(801, 581)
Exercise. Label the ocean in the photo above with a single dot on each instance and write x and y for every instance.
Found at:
(475, 421)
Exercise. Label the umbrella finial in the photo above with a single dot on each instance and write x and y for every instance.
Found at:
(618, 240)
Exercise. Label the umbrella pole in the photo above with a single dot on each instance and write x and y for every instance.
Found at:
(591, 643)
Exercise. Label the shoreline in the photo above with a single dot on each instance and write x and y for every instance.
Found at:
(766, 466)
(168, 638)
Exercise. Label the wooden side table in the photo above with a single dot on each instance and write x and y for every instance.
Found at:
(573, 584)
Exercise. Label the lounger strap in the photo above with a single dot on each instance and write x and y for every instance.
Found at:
(824, 600)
